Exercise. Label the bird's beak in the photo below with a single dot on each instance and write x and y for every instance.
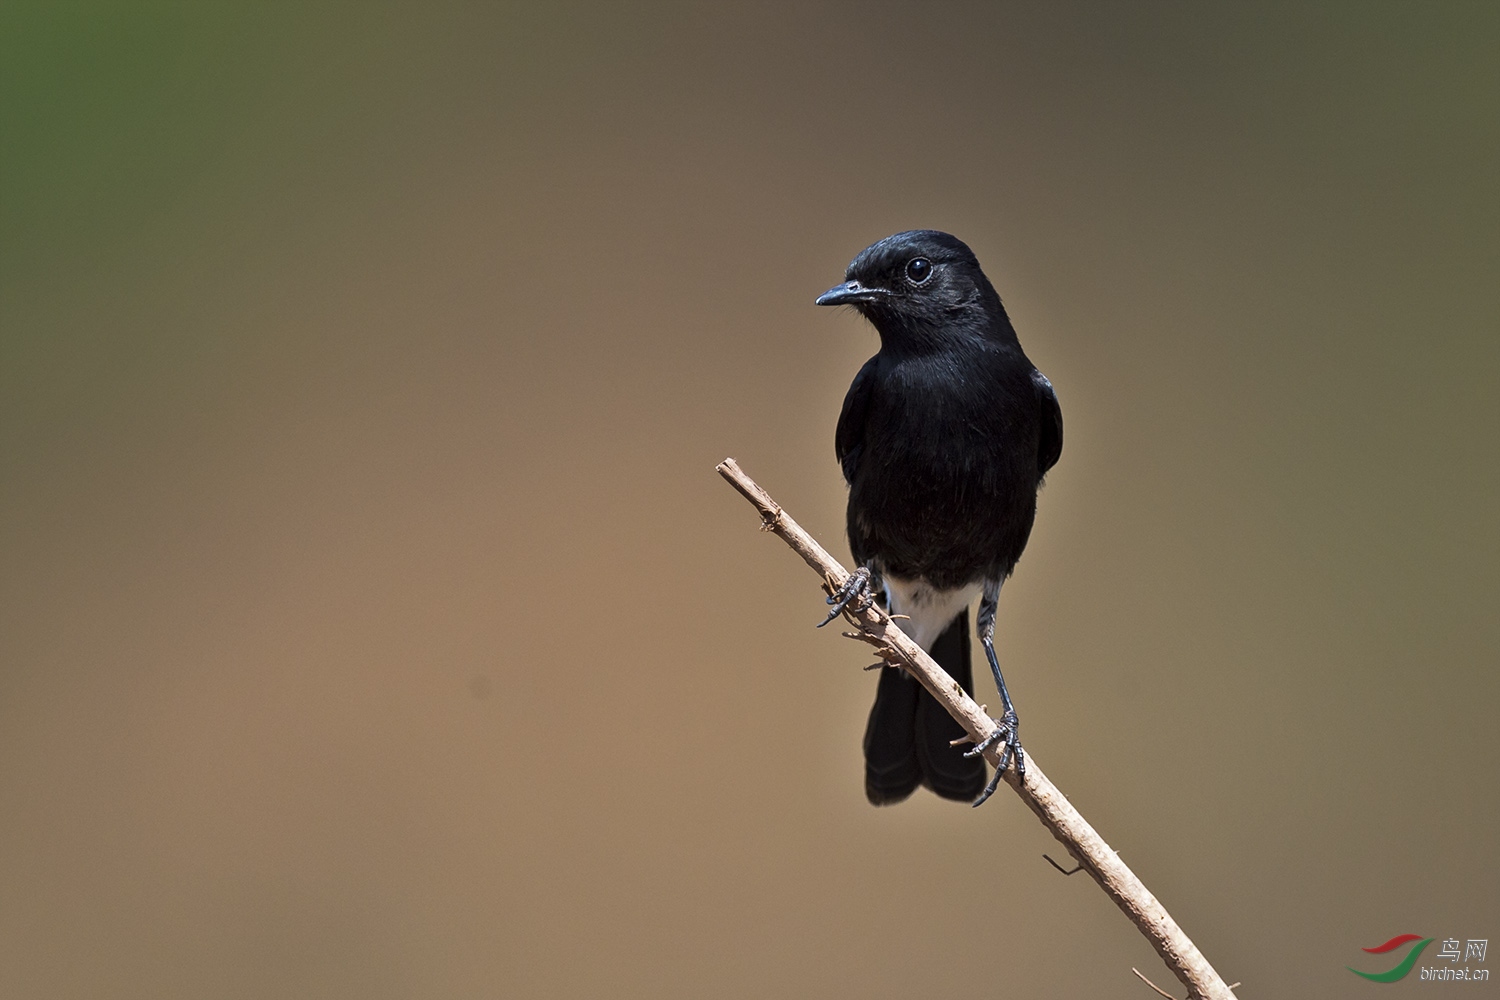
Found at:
(850, 292)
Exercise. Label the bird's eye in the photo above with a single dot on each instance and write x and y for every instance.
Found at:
(918, 270)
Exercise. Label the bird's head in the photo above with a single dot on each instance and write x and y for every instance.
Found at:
(920, 287)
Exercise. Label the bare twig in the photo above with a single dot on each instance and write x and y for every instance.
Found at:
(1050, 806)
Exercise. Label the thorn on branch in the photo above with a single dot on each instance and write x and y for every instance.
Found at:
(1060, 868)
(1149, 983)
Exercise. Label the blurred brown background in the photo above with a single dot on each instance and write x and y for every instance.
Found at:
(373, 623)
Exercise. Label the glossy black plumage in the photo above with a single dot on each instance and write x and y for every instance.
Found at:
(944, 438)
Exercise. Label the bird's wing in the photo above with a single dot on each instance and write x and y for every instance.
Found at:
(849, 439)
(1050, 445)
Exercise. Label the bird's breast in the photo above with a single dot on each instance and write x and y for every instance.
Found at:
(946, 484)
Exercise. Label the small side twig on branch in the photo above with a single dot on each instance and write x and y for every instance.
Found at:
(1066, 871)
(1051, 807)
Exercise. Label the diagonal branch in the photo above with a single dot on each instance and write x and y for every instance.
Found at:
(1050, 806)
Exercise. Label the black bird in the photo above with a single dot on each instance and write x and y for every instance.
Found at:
(944, 439)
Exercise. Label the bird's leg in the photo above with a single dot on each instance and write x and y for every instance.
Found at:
(1007, 727)
(858, 591)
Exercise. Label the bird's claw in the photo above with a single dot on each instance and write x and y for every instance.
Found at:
(855, 591)
(1007, 730)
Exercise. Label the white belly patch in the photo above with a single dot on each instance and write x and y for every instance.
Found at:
(928, 610)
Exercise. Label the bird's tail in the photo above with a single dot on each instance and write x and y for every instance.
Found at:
(907, 740)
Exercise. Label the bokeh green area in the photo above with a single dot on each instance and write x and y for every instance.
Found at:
(372, 622)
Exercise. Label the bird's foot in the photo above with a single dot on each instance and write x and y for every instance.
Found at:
(1007, 730)
(855, 592)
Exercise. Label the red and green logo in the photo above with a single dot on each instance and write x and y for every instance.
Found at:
(1402, 967)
